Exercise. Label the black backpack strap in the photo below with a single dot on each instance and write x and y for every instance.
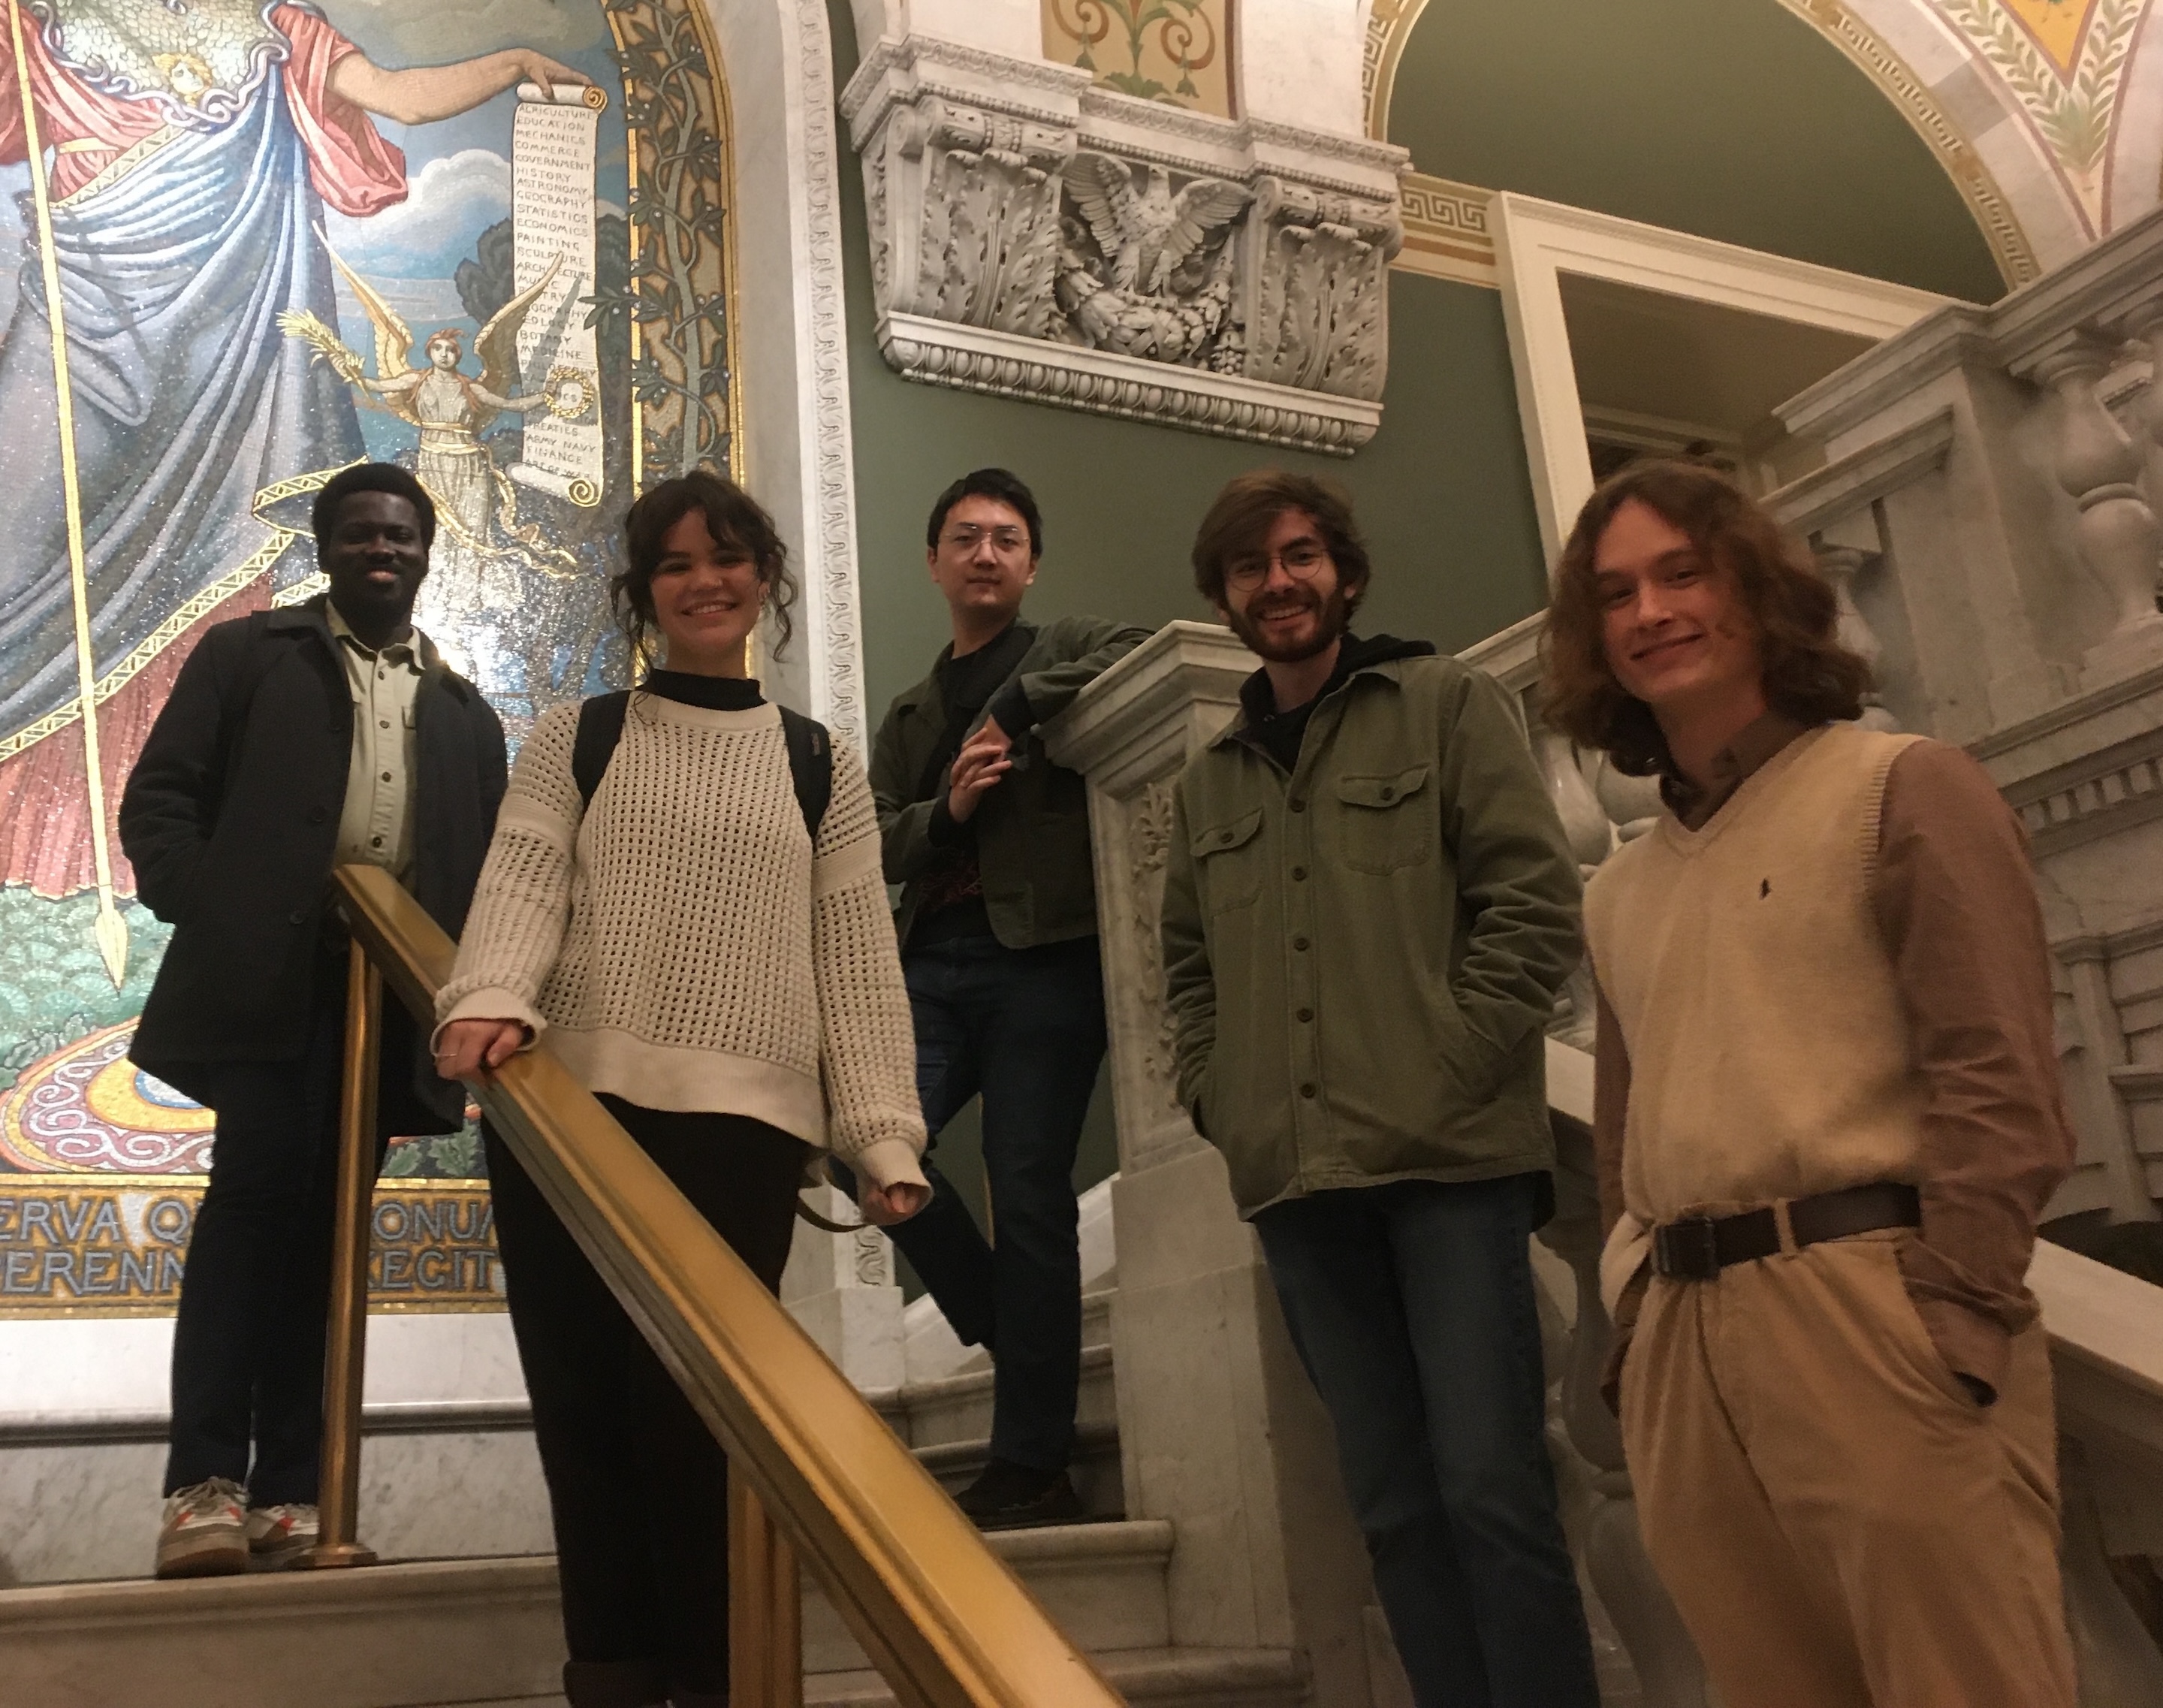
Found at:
(600, 727)
(810, 767)
(810, 754)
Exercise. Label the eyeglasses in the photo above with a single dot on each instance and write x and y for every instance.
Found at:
(965, 539)
(1303, 561)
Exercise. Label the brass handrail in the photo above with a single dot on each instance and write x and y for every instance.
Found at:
(945, 1621)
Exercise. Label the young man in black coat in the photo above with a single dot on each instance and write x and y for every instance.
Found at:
(295, 739)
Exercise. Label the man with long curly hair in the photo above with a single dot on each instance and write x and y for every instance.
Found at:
(1827, 1116)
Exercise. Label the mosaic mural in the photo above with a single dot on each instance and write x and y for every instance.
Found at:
(258, 280)
(1174, 50)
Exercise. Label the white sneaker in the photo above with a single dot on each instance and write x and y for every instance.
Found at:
(204, 1532)
(279, 1535)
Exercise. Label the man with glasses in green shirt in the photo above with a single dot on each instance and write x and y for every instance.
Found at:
(1369, 906)
(989, 840)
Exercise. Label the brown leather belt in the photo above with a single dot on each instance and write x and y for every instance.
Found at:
(1698, 1247)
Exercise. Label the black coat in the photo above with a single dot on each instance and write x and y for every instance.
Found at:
(231, 820)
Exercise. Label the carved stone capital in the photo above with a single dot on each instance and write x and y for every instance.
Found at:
(1036, 237)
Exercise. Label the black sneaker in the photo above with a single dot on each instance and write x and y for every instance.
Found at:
(1009, 1496)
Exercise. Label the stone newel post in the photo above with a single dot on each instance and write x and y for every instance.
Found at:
(1219, 1430)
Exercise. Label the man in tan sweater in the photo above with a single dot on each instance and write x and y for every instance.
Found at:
(1827, 1115)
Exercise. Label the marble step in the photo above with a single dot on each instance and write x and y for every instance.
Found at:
(1103, 1585)
(1098, 1479)
(419, 1635)
(1191, 1678)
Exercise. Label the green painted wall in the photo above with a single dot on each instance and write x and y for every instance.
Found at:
(1731, 118)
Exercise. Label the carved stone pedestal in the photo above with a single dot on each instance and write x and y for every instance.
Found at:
(840, 1287)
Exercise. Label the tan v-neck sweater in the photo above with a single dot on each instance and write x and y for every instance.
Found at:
(1954, 907)
(1769, 1055)
(681, 944)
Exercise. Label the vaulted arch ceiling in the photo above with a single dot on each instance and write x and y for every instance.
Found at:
(1803, 127)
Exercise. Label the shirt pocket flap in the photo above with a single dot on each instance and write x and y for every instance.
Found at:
(1219, 839)
(1385, 789)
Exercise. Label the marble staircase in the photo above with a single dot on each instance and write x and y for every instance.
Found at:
(947, 1420)
(483, 1633)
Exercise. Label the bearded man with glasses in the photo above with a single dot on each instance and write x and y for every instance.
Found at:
(1369, 907)
(989, 841)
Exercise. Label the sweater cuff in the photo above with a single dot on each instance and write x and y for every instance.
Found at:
(889, 1162)
(1973, 1347)
(492, 1002)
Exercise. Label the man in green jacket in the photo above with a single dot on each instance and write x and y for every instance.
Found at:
(1369, 907)
(989, 840)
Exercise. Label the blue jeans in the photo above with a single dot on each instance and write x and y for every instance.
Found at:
(1025, 1028)
(1411, 1307)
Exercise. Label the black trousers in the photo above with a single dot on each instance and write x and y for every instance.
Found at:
(248, 1345)
(637, 1485)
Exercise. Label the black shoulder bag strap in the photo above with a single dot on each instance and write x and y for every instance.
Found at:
(810, 754)
(600, 727)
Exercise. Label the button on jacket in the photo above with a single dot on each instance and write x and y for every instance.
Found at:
(1361, 956)
(1031, 832)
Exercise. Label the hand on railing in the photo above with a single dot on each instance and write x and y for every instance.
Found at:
(465, 1047)
(884, 1206)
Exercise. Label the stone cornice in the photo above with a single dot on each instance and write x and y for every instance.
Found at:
(906, 69)
(974, 358)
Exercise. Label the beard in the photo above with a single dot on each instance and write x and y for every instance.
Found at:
(1335, 617)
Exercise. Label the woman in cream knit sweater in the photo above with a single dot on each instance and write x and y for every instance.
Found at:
(731, 992)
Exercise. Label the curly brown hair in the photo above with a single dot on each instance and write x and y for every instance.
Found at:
(1808, 674)
(733, 518)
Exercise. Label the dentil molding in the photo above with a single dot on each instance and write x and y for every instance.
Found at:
(1036, 237)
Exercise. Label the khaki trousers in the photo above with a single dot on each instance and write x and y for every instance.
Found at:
(1839, 1524)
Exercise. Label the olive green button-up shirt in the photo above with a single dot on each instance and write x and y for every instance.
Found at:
(376, 827)
(1360, 954)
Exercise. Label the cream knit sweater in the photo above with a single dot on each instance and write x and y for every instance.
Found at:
(681, 944)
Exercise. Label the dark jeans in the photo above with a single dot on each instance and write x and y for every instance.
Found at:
(1412, 1305)
(248, 1347)
(637, 1485)
(1024, 1027)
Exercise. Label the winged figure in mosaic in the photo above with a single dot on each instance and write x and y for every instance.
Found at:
(1144, 272)
(477, 505)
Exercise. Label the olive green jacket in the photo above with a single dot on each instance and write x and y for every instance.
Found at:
(1032, 830)
(1360, 958)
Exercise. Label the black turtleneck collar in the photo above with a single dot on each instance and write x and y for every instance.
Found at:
(714, 693)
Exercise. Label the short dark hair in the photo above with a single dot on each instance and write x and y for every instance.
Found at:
(989, 483)
(733, 518)
(371, 477)
(1807, 675)
(1248, 508)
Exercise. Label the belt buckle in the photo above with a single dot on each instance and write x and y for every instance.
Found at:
(1687, 1249)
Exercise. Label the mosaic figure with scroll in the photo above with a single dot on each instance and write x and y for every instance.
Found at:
(193, 151)
(485, 544)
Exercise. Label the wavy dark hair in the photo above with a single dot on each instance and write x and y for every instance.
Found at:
(1243, 514)
(734, 518)
(1808, 674)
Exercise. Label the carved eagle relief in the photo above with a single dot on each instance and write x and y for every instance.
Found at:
(1147, 235)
